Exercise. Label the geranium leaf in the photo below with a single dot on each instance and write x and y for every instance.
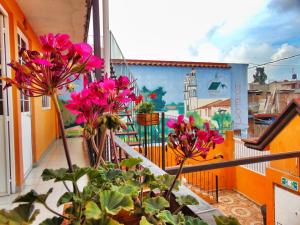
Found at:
(127, 189)
(33, 196)
(92, 211)
(154, 205)
(224, 220)
(53, 221)
(63, 174)
(131, 162)
(167, 217)
(68, 197)
(112, 202)
(194, 221)
(22, 214)
(164, 182)
(187, 200)
(144, 221)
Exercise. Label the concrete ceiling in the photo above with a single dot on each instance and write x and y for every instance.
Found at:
(56, 16)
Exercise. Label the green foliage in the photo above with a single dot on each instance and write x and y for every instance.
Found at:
(33, 196)
(144, 221)
(152, 206)
(92, 211)
(223, 120)
(167, 217)
(53, 221)
(112, 202)
(163, 182)
(224, 220)
(145, 107)
(194, 221)
(109, 190)
(131, 162)
(186, 200)
(23, 214)
(158, 102)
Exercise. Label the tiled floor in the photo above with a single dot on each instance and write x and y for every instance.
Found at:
(234, 204)
(54, 159)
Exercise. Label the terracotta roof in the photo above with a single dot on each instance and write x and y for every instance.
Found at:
(142, 62)
(271, 132)
(218, 103)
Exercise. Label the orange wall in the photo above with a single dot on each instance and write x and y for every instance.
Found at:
(43, 121)
(287, 140)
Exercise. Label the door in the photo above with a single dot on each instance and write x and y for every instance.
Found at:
(287, 207)
(6, 145)
(3, 163)
(25, 116)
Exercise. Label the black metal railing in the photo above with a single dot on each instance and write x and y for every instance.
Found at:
(203, 183)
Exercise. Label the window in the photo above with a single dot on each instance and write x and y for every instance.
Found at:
(46, 102)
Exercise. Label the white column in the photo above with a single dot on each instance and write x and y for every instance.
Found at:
(106, 37)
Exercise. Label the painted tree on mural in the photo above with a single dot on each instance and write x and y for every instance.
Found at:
(223, 119)
(155, 96)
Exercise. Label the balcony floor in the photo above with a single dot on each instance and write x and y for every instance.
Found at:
(54, 159)
(234, 204)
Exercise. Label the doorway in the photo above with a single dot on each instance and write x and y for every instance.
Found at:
(287, 207)
(25, 116)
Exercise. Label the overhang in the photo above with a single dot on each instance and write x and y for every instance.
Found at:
(57, 16)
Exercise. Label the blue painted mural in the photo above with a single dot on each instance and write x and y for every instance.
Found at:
(218, 95)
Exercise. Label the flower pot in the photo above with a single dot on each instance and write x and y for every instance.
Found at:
(147, 119)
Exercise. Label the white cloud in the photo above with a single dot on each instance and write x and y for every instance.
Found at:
(285, 50)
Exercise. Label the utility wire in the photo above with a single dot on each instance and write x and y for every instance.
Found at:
(289, 57)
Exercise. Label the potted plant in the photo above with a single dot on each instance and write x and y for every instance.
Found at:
(145, 114)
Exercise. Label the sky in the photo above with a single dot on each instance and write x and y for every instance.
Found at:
(232, 31)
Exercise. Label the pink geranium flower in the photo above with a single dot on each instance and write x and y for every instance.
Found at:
(60, 63)
(188, 141)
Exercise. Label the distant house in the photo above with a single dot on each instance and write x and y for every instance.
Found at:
(207, 111)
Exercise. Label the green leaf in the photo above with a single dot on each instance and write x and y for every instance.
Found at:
(92, 211)
(68, 197)
(164, 182)
(154, 205)
(33, 196)
(131, 162)
(167, 217)
(23, 214)
(194, 221)
(224, 220)
(53, 221)
(50, 174)
(112, 202)
(63, 174)
(144, 221)
(127, 189)
(187, 200)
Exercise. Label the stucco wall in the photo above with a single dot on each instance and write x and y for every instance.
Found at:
(44, 129)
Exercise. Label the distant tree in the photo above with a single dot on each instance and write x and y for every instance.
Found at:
(158, 102)
(223, 119)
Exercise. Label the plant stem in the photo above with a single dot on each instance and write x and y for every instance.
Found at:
(54, 212)
(62, 131)
(174, 182)
(112, 136)
(178, 209)
(101, 147)
(96, 150)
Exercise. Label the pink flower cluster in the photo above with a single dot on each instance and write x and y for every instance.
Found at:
(107, 96)
(188, 141)
(60, 63)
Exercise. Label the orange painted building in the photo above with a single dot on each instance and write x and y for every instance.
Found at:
(28, 126)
